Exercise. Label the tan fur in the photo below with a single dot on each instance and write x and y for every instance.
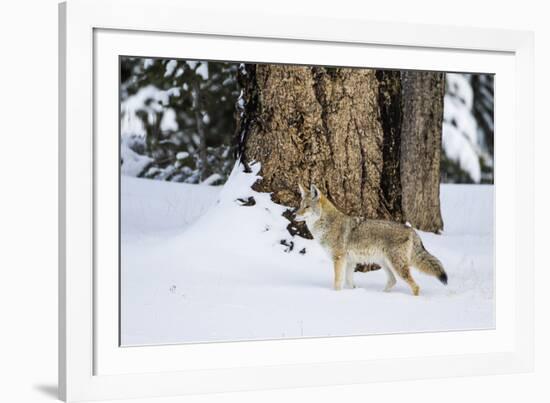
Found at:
(352, 241)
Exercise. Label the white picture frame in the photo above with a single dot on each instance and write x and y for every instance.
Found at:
(91, 364)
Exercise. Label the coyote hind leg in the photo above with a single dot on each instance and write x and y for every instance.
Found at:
(405, 273)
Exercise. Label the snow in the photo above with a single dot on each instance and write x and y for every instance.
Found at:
(153, 209)
(200, 67)
(168, 122)
(151, 100)
(459, 149)
(170, 67)
(132, 163)
(202, 70)
(211, 179)
(182, 155)
(147, 63)
(197, 265)
(459, 84)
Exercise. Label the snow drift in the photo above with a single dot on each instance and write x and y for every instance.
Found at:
(197, 265)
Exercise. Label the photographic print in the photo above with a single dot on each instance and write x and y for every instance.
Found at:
(266, 201)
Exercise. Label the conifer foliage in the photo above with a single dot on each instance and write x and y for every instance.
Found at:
(177, 119)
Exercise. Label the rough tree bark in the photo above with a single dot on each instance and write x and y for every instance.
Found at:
(342, 129)
(423, 94)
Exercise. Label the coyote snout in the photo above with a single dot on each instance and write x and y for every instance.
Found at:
(352, 240)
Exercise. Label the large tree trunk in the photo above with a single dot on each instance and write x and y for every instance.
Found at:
(423, 94)
(340, 129)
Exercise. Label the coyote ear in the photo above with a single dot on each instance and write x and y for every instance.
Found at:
(302, 191)
(315, 193)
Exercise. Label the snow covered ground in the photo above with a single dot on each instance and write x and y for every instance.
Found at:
(197, 266)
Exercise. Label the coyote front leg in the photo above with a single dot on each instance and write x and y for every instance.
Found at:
(350, 269)
(391, 278)
(339, 266)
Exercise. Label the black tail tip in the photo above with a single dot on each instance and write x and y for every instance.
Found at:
(443, 278)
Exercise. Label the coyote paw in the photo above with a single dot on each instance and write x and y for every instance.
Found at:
(388, 287)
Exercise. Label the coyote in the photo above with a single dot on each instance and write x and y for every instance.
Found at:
(352, 240)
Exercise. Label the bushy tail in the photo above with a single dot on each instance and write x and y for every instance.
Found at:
(429, 264)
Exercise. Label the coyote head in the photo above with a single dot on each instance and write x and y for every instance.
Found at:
(310, 206)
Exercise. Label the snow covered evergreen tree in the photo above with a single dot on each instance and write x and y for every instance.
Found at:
(177, 119)
(468, 130)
